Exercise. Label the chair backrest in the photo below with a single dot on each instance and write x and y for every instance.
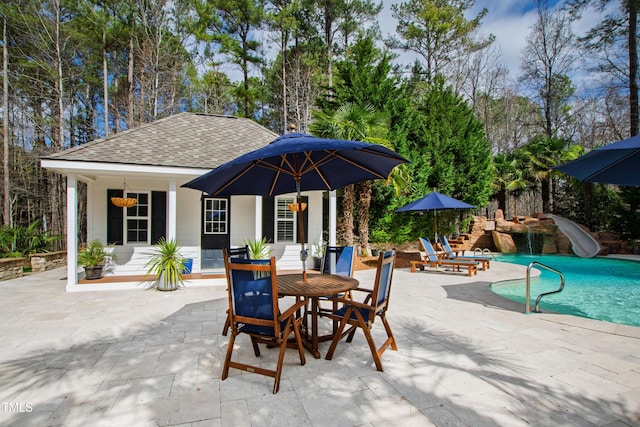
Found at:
(338, 260)
(253, 294)
(241, 252)
(382, 283)
(428, 248)
(445, 245)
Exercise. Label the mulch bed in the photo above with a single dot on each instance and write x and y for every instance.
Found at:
(403, 258)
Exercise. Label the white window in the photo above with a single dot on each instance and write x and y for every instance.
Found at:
(215, 216)
(285, 220)
(137, 218)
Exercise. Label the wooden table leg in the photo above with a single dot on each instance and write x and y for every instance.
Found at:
(314, 328)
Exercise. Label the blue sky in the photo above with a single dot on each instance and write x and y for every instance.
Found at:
(508, 20)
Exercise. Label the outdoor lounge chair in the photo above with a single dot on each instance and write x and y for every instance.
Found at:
(450, 254)
(362, 315)
(253, 310)
(432, 259)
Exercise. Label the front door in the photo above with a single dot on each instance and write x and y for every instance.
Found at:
(215, 231)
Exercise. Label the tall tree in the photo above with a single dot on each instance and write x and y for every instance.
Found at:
(547, 60)
(354, 123)
(231, 25)
(363, 87)
(438, 31)
(6, 213)
(103, 24)
(614, 42)
(458, 152)
(342, 16)
(282, 18)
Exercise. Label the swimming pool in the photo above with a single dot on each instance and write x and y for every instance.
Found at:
(598, 288)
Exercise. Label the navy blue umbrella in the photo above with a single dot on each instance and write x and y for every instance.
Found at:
(616, 163)
(434, 202)
(298, 162)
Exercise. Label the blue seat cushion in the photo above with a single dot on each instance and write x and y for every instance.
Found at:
(341, 312)
(266, 331)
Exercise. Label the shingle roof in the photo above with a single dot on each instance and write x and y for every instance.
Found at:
(187, 140)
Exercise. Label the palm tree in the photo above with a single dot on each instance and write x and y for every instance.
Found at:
(544, 154)
(510, 179)
(353, 122)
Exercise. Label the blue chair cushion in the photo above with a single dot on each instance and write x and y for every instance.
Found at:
(341, 312)
(260, 330)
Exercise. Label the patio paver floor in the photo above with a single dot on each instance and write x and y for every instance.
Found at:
(466, 358)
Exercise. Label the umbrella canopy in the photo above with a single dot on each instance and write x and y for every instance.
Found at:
(434, 202)
(616, 163)
(298, 162)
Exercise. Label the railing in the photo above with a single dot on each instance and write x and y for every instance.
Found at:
(483, 253)
(536, 308)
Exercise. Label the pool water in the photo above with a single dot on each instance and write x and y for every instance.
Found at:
(598, 288)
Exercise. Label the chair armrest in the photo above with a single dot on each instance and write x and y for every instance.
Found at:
(356, 304)
(297, 306)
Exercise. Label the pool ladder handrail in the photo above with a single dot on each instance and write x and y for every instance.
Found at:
(479, 252)
(536, 308)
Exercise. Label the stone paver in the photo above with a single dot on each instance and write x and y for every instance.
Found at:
(466, 358)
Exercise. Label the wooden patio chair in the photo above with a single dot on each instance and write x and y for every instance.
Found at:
(240, 252)
(337, 260)
(363, 314)
(254, 310)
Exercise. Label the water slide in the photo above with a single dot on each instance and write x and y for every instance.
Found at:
(582, 243)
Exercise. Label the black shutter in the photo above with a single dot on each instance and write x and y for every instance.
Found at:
(115, 215)
(305, 220)
(268, 219)
(158, 216)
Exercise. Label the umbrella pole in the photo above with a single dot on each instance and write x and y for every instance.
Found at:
(435, 225)
(303, 251)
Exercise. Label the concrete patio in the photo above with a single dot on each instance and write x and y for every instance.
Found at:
(466, 358)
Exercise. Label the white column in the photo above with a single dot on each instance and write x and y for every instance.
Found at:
(173, 209)
(90, 211)
(258, 218)
(72, 232)
(333, 215)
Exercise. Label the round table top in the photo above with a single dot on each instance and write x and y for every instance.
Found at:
(317, 285)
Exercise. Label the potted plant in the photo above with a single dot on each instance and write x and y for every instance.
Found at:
(92, 257)
(258, 249)
(318, 254)
(166, 264)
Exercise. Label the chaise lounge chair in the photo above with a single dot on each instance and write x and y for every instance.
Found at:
(433, 260)
(450, 254)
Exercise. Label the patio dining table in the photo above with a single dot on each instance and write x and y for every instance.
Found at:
(315, 286)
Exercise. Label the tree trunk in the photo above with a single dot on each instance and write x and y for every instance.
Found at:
(283, 52)
(588, 204)
(130, 119)
(328, 39)
(105, 83)
(545, 192)
(348, 198)
(245, 75)
(364, 201)
(502, 201)
(58, 224)
(633, 67)
(6, 217)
